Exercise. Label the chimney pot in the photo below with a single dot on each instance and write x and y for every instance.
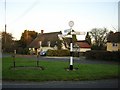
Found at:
(42, 31)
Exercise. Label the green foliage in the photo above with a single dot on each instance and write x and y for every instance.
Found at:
(58, 53)
(27, 37)
(61, 53)
(88, 38)
(19, 50)
(59, 44)
(23, 51)
(74, 39)
(103, 55)
(8, 43)
(96, 47)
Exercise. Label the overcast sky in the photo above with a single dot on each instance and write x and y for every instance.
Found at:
(54, 15)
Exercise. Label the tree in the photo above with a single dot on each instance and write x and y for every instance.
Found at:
(88, 38)
(7, 42)
(27, 37)
(99, 36)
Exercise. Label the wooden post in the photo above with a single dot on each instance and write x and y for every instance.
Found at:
(14, 61)
(14, 58)
(37, 59)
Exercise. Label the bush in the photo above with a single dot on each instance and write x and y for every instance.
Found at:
(58, 53)
(64, 53)
(23, 51)
(19, 50)
(103, 55)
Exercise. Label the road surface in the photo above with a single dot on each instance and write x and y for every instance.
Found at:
(110, 83)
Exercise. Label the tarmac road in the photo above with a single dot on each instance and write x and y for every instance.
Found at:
(80, 60)
(110, 83)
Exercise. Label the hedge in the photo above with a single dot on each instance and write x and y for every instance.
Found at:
(58, 53)
(103, 55)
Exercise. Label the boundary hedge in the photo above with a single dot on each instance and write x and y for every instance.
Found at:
(64, 53)
(103, 55)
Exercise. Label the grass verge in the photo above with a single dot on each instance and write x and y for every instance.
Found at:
(55, 70)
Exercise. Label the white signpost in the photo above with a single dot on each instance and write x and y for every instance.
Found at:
(67, 35)
(71, 23)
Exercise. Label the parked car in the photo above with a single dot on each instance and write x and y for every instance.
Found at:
(43, 53)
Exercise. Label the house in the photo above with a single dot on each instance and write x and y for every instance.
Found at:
(81, 46)
(113, 41)
(45, 41)
(52, 40)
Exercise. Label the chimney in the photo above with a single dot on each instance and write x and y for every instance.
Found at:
(42, 31)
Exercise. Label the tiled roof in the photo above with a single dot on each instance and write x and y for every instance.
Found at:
(83, 44)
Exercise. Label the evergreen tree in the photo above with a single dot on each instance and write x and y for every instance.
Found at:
(88, 38)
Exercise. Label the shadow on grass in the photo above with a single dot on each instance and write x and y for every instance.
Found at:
(27, 67)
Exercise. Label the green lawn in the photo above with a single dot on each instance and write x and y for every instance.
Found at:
(55, 70)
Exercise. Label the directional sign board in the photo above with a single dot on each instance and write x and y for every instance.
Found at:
(70, 36)
(64, 36)
(65, 32)
(79, 33)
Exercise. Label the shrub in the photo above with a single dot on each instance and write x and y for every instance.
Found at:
(103, 55)
(23, 51)
(58, 53)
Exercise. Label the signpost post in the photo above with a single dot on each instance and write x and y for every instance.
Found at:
(71, 23)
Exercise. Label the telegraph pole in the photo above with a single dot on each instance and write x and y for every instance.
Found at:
(4, 49)
(5, 22)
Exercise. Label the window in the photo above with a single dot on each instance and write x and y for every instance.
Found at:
(114, 44)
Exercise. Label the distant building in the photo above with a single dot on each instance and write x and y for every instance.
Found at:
(44, 41)
(113, 41)
(81, 46)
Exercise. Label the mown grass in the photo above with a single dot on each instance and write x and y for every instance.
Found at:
(55, 70)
